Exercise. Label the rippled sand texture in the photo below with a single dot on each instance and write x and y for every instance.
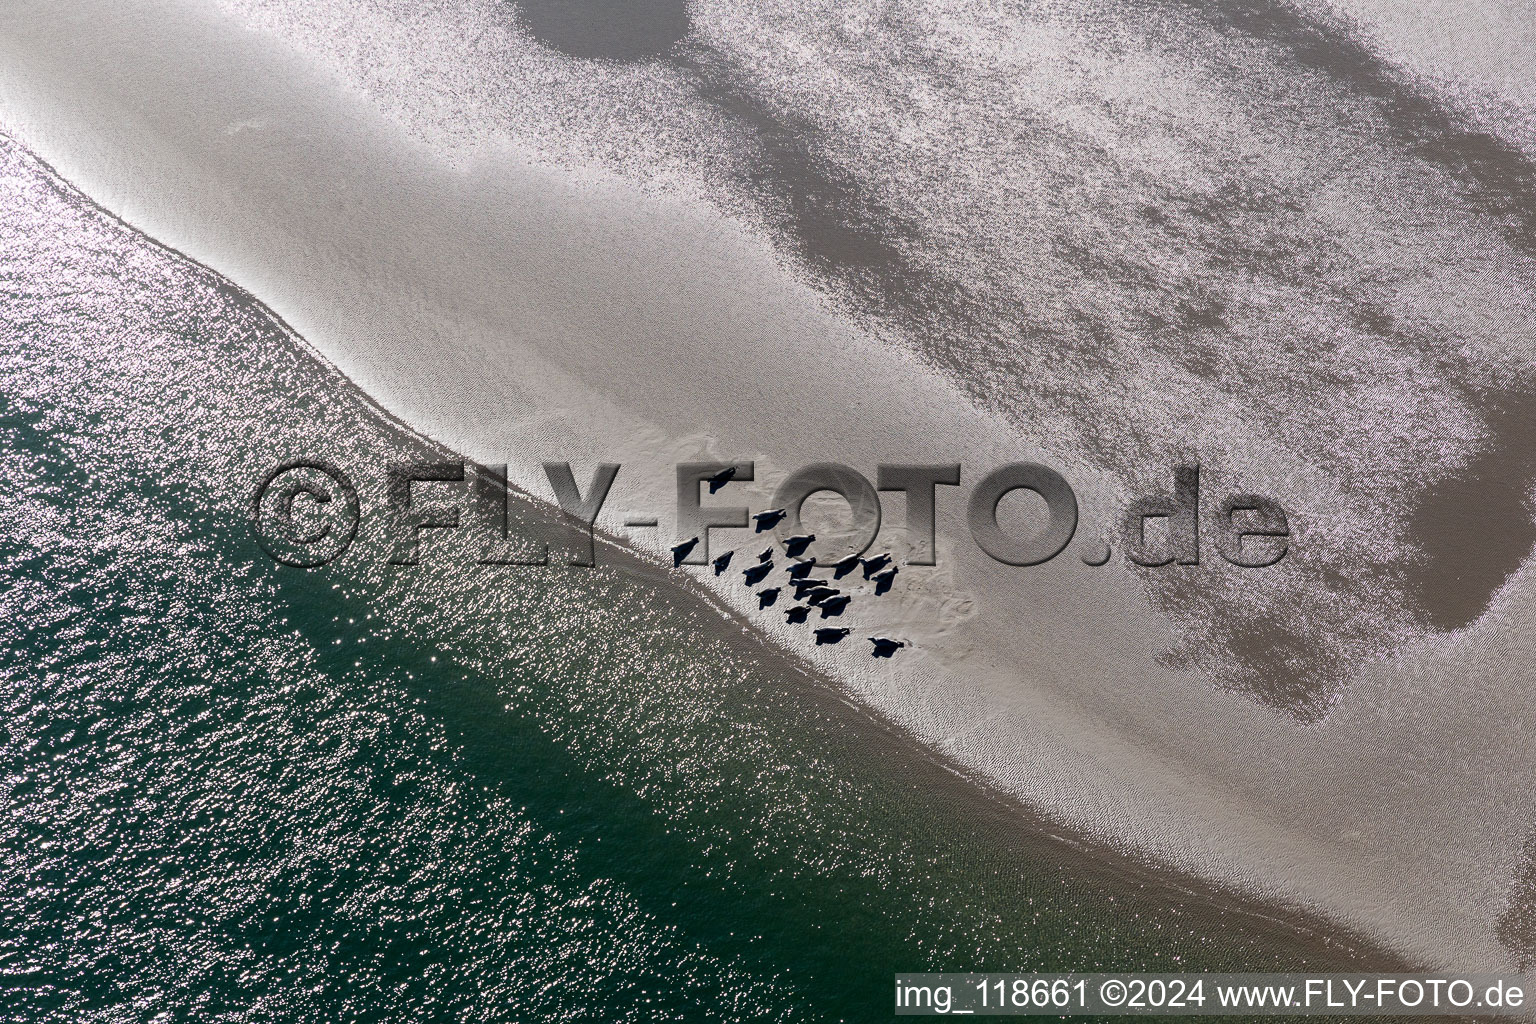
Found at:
(1143, 232)
(1107, 236)
(240, 792)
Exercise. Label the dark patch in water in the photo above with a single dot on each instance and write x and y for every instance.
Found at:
(1475, 528)
(818, 210)
(606, 29)
(1497, 177)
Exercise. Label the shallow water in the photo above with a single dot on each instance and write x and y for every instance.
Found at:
(1139, 231)
(361, 792)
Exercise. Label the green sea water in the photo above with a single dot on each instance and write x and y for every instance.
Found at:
(233, 790)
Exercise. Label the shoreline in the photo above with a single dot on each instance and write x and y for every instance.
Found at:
(1232, 855)
(1322, 936)
(1310, 933)
(1289, 926)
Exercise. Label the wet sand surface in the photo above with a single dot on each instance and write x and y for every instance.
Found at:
(1111, 238)
(372, 791)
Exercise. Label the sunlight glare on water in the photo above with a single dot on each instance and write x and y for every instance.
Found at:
(240, 791)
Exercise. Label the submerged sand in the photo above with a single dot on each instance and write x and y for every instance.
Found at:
(519, 312)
